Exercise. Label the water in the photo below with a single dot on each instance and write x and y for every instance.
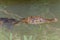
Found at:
(34, 32)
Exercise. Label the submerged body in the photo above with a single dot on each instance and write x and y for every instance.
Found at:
(28, 20)
(8, 22)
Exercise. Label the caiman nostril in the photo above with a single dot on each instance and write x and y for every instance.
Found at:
(55, 19)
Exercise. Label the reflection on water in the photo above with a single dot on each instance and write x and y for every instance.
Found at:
(33, 32)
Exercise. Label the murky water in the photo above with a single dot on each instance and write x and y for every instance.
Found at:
(32, 32)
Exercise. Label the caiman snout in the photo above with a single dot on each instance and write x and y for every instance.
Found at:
(55, 20)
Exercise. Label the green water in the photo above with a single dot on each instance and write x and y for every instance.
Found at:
(32, 32)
